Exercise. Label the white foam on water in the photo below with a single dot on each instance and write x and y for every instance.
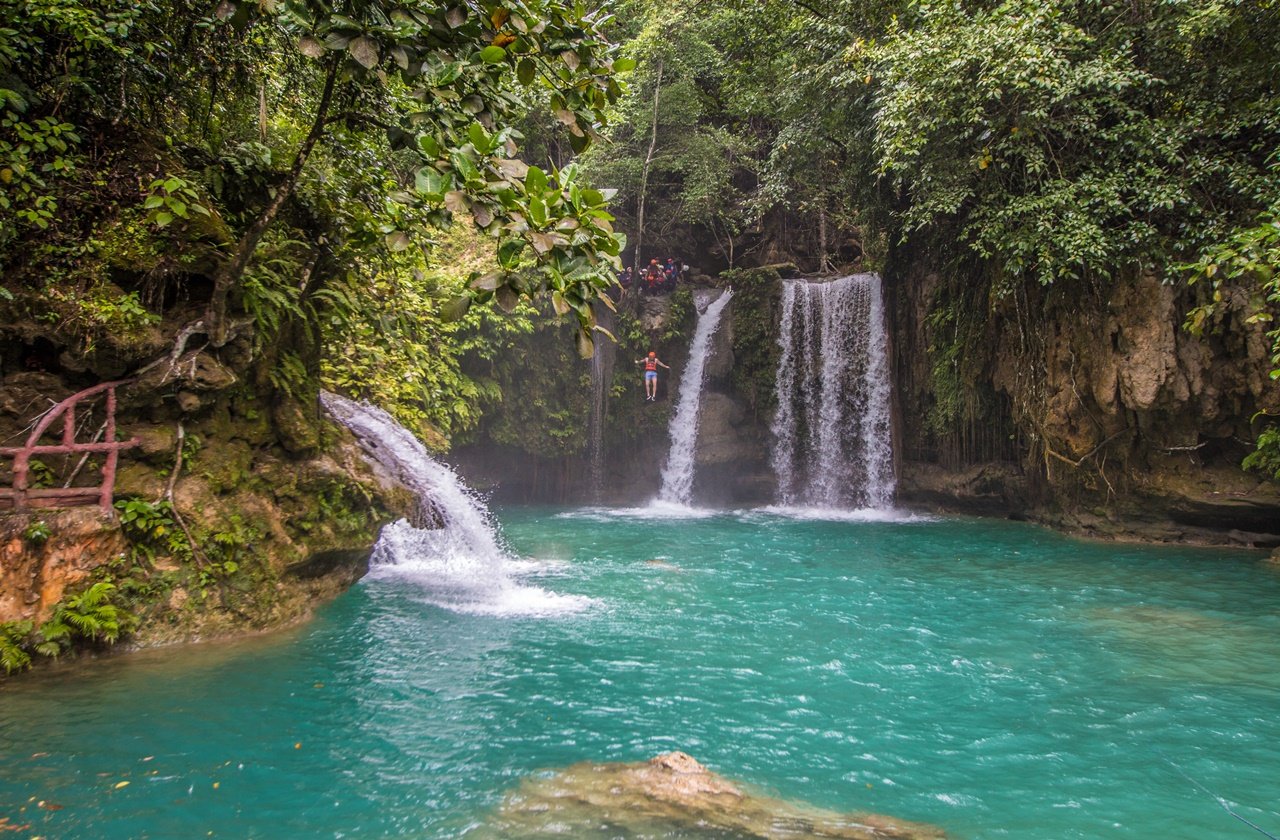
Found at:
(655, 511)
(824, 514)
(461, 565)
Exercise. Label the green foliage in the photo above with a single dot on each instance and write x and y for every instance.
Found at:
(151, 528)
(101, 311)
(756, 293)
(454, 79)
(1071, 139)
(699, 156)
(41, 474)
(91, 615)
(1248, 263)
(48, 49)
(544, 388)
(172, 198)
(341, 507)
(191, 445)
(225, 548)
(1266, 457)
(37, 533)
(408, 358)
(680, 316)
(290, 375)
(14, 643)
(30, 154)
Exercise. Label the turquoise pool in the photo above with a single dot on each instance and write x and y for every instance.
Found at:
(992, 678)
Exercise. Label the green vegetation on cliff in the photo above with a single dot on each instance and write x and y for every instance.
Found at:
(1044, 162)
(274, 170)
(245, 202)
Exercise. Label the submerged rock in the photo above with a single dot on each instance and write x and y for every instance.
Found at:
(672, 795)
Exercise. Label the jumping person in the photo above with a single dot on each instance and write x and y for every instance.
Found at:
(651, 365)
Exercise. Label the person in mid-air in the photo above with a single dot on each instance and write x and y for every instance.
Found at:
(651, 365)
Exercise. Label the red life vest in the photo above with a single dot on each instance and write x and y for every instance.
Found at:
(651, 363)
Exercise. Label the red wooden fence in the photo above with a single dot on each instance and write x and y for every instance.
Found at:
(21, 495)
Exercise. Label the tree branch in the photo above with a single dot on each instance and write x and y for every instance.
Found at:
(233, 269)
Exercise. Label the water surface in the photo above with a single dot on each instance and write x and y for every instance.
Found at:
(992, 678)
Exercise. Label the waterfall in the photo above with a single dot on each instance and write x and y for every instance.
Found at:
(677, 475)
(602, 360)
(452, 549)
(832, 443)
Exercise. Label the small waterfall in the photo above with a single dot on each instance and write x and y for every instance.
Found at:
(452, 549)
(602, 360)
(677, 475)
(832, 442)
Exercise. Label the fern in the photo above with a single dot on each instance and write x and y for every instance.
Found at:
(13, 641)
(89, 615)
(290, 376)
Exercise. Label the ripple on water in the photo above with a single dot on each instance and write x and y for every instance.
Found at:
(990, 677)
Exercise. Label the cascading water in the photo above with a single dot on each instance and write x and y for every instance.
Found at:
(832, 441)
(602, 359)
(677, 475)
(452, 550)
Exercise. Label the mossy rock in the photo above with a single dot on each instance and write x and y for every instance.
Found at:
(225, 464)
(756, 314)
(297, 428)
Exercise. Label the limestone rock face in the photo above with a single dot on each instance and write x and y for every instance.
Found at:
(654, 312)
(672, 795)
(197, 370)
(35, 574)
(1101, 412)
(721, 438)
(297, 429)
(980, 489)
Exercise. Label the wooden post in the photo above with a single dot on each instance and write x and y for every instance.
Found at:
(113, 455)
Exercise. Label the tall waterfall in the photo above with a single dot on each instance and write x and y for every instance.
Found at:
(677, 475)
(452, 549)
(832, 443)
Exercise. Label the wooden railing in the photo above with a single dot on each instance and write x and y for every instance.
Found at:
(22, 495)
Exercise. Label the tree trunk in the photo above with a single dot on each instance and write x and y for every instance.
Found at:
(824, 264)
(230, 272)
(644, 172)
(262, 110)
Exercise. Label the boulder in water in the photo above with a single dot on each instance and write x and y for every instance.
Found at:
(673, 795)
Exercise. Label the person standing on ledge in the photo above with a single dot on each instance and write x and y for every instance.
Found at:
(651, 365)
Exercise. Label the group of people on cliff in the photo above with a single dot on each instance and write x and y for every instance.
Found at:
(658, 278)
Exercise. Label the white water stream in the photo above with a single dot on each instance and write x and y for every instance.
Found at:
(452, 549)
(677, 475)
(832, 439)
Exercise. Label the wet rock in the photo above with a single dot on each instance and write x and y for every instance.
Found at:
(29, 393)
(655, 313)
(152, 440)
(672, 795)
(989, 489)
(188, 402)
(1146, 334)
(719, 363)
(296, 428)
(35, 575)
(196, 370)
(720, 436)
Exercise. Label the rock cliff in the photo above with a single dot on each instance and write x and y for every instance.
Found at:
(240, 508)
(1092, 410)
